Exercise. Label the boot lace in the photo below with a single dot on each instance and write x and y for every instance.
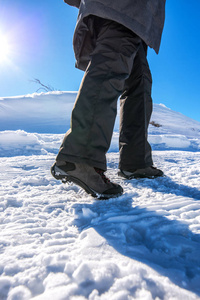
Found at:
(103, 176)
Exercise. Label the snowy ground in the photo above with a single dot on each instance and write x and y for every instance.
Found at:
(56, 242)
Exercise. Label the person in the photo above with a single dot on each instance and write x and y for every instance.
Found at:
(110, 44)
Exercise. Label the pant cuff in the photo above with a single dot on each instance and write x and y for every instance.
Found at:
(128, 167)
(83, 160)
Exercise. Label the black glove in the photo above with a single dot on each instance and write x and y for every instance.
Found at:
(75, 3)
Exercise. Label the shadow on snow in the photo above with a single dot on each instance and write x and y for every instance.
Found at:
(168, 246)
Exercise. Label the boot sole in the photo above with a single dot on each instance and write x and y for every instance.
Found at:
(88, 190)
(138, 176)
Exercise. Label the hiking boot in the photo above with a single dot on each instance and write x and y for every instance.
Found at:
(149, 172)
(92, 180)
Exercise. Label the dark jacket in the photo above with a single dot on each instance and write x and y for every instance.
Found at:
(143, 17)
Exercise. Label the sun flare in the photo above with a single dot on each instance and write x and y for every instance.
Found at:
(4, 48)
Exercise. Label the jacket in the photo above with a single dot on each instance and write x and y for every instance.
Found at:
(143, 17)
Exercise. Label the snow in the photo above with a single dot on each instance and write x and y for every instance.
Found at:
(57, 242)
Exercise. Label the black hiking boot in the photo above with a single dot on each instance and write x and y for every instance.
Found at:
(91, 179)
(149, 172)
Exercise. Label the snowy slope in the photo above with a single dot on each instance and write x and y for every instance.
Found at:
(56, 242)
(27, 121)
(42, 113)
(50, 113)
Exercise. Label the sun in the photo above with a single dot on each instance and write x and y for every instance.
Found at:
(4, 48)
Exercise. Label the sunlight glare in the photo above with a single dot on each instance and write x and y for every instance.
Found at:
(4, 48)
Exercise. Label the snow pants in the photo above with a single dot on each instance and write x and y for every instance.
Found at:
(118, 67)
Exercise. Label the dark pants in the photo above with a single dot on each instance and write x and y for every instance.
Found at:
(118, 67)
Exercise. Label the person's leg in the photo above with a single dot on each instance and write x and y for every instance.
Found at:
(135, 113)
(95, 109)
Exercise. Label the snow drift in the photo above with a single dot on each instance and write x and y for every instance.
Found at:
(26, 121)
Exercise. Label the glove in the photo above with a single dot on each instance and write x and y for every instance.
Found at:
(75, 3)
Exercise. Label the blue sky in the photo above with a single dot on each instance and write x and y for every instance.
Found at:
(39, 35)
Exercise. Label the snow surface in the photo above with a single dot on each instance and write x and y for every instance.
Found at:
(59, 243)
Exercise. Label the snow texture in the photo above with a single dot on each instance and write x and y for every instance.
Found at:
(57, 242)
